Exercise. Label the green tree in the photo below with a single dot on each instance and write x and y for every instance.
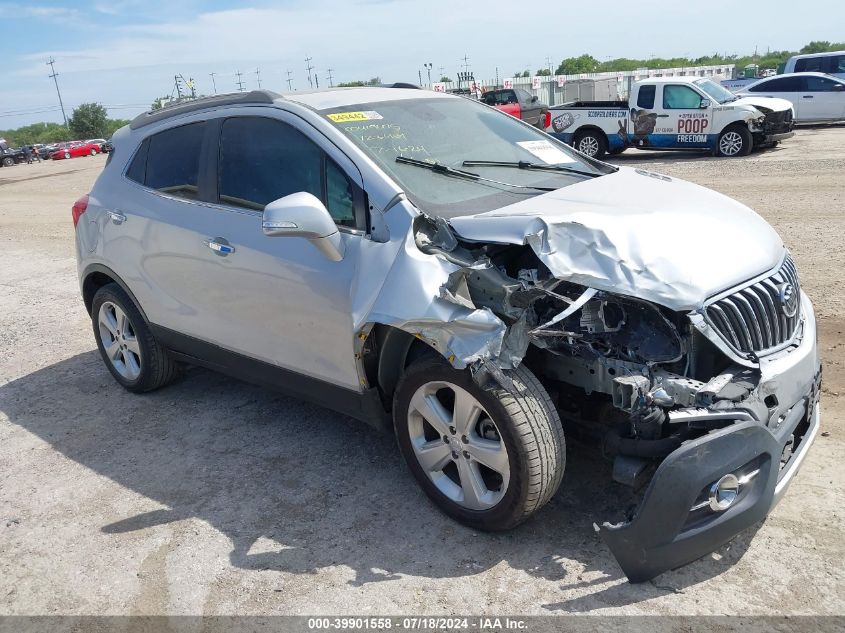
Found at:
(525, 73)
(375, 81)
(160, 102)
(575, 65)
(543, 72)
(444, 79)
(88, 121)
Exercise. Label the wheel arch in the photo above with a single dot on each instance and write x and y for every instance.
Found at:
(396, 350)
(95, 277)
(590, 128)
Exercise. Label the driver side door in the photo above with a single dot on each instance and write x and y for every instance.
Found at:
(691, 123)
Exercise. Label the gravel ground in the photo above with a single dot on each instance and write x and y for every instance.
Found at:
(215, 497)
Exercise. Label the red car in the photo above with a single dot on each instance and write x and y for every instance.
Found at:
(73, 150)
(518, 103)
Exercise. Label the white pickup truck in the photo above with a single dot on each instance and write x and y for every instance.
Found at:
(673, 113)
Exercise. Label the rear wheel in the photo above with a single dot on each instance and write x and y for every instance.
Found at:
(591, 143)
(129, 350)
(735, 141)
(487, 458)
(67, 154)
(93, 152)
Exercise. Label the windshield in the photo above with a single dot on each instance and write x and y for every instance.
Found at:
(448, 132)
(716, 92)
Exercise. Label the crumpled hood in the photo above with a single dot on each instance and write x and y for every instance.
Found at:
(775, 104)
(639, 234)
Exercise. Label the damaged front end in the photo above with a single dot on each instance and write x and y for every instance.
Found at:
(706, 413)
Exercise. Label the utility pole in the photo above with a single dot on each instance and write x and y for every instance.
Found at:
(178, 84)
(213, 82)
(549, 64)
(419, 72)
(56, 81)
(329, 71)
(239, 81)
(466, 63)
(428, 67)
(309, 67)
(258, 76)
(290, 89)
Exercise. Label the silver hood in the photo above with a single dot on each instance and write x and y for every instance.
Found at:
(637, 233)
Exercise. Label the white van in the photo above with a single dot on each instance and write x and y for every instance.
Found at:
(832, 63)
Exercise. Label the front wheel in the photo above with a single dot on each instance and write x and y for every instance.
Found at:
(8, 161)
(67, 154)
(486, 457)
(93, 152)
(591, 143)
(735, 141)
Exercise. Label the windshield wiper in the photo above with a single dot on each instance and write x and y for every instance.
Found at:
(440, 168)
(528, 165)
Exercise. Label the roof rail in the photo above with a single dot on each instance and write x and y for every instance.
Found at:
(235, 98)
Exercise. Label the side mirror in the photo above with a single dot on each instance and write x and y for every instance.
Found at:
(705, 103)
(838, 87)
(304, 215)
(534, 99)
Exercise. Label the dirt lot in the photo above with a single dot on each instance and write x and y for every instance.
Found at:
(215, 497)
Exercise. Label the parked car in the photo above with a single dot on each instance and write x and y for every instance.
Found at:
(47, 150)
(10, 156)
(518, 103)
(673, 113)
(75, 150)
(832, 63)
(468, 282)
(815, 97)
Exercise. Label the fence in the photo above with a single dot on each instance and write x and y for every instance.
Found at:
(564, 88)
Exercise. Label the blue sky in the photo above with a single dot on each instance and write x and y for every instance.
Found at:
(124, 53)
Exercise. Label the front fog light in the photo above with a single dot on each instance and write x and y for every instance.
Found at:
(724, 492)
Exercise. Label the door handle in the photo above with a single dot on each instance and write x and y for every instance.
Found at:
(662, 116)
(807, 96)
(117, 217)
(220, 246)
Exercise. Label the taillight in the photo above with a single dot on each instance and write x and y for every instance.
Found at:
(548, 121)
(79, 207)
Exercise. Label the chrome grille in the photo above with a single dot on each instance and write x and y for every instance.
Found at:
(762, 316)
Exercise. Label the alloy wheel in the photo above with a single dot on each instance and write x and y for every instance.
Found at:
(589, 145)
(119, 340)
(458, 445)
(730, 144)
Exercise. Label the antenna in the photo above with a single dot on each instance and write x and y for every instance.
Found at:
(213, 82)
(310, 68)
(289, 80)
(239, 81)
(56, 81)
(258, 77)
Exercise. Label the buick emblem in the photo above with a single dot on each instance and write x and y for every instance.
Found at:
(788, 299)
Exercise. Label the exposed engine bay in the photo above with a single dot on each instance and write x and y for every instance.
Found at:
(634, 376)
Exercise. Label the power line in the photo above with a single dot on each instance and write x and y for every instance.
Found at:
(56, 81)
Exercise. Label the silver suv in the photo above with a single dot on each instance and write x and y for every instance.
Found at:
(441, 270)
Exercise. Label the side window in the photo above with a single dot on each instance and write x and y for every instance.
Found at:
(809, 64)
(173, 158)
(262, 160)
(680, 98)
(781, 84)
(138, 168)
(645, 97)
(512, 96)
(837, 64)
(819, 84)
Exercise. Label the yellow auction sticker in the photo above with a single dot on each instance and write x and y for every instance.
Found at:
(343, 117)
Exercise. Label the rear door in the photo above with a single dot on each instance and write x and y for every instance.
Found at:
(787, 87)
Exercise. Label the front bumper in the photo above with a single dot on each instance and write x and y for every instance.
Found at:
(771, 138)
(673, 524)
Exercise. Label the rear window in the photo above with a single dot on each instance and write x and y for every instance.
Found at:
(169, 161)
(645, 98)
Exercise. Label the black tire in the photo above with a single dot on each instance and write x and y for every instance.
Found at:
(616, 150)
(735, 140)
(528, 425)
(8, 161)
(592, 143)
(157, 368)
